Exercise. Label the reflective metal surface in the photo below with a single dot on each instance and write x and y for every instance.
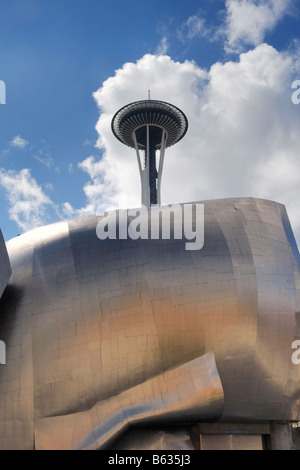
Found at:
(155, 439)
(105, 334)
(5, 269)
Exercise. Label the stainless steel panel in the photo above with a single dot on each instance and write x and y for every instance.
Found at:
(5, 269)
(95, 328)
(231, 442)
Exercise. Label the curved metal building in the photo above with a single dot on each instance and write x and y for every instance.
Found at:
(5, 268)
(103, 336)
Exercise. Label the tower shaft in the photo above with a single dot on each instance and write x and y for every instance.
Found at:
(149, 173)
(150, 126)
(153, 173)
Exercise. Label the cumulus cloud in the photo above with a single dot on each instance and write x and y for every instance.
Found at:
(27, 202)
(242, 138)
(18, 142)
(248, 21)
(163, 46)
(194, 26)
(99, 190)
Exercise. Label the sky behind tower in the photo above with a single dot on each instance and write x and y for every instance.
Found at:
(69, 65)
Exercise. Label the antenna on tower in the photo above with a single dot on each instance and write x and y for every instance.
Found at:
(150, 126)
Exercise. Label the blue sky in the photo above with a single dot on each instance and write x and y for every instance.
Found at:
(68, 65)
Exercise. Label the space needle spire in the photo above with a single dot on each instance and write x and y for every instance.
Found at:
(150, 126)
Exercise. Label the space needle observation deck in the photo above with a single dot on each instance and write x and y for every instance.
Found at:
(150, 126)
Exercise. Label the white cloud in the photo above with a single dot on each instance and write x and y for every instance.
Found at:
(19, 142)
(242, 138)
(248, 21)
(88, 142)
(46, 160)
(27, 201)
(94, 190)
(163, 46)
(194, 26)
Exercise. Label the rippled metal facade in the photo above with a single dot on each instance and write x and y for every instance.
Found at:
(105, 335)
(5, 268)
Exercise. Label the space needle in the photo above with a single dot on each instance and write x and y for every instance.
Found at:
(150, 126)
